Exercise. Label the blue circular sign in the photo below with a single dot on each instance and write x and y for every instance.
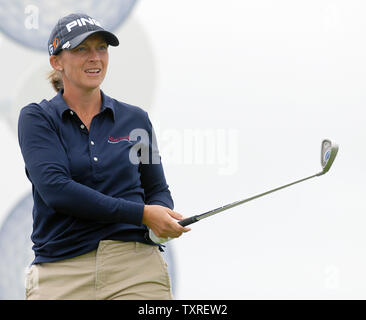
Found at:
(16, 249)
(30, 22)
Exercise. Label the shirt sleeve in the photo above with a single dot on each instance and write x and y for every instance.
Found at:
(47, 167)
(152, 175)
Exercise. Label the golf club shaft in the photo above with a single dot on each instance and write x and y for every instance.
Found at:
(193, 219)
(210, 213)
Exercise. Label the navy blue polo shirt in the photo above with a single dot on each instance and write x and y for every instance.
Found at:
(85, 186)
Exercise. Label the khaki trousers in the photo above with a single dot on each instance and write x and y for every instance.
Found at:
(115, 270)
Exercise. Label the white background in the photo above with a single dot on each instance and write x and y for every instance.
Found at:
(275, 78)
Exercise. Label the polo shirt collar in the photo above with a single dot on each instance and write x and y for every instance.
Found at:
(63, 108)
(107, 103)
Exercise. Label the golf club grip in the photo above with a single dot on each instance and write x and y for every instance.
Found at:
(188, 221)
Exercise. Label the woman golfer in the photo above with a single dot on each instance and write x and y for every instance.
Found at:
(96, 181)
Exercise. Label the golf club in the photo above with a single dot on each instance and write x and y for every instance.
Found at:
(328, 153)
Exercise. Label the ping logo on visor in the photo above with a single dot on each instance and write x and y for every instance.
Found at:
(82, 22)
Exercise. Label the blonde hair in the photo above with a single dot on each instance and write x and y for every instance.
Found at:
(55, 78)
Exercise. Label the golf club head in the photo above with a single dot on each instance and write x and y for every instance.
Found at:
(328, 153)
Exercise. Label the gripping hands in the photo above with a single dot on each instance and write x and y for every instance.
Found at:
(162, 223)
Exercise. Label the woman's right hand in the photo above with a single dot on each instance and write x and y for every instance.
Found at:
(163, 221)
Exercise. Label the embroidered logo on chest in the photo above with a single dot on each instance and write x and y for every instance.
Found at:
(117, 140)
